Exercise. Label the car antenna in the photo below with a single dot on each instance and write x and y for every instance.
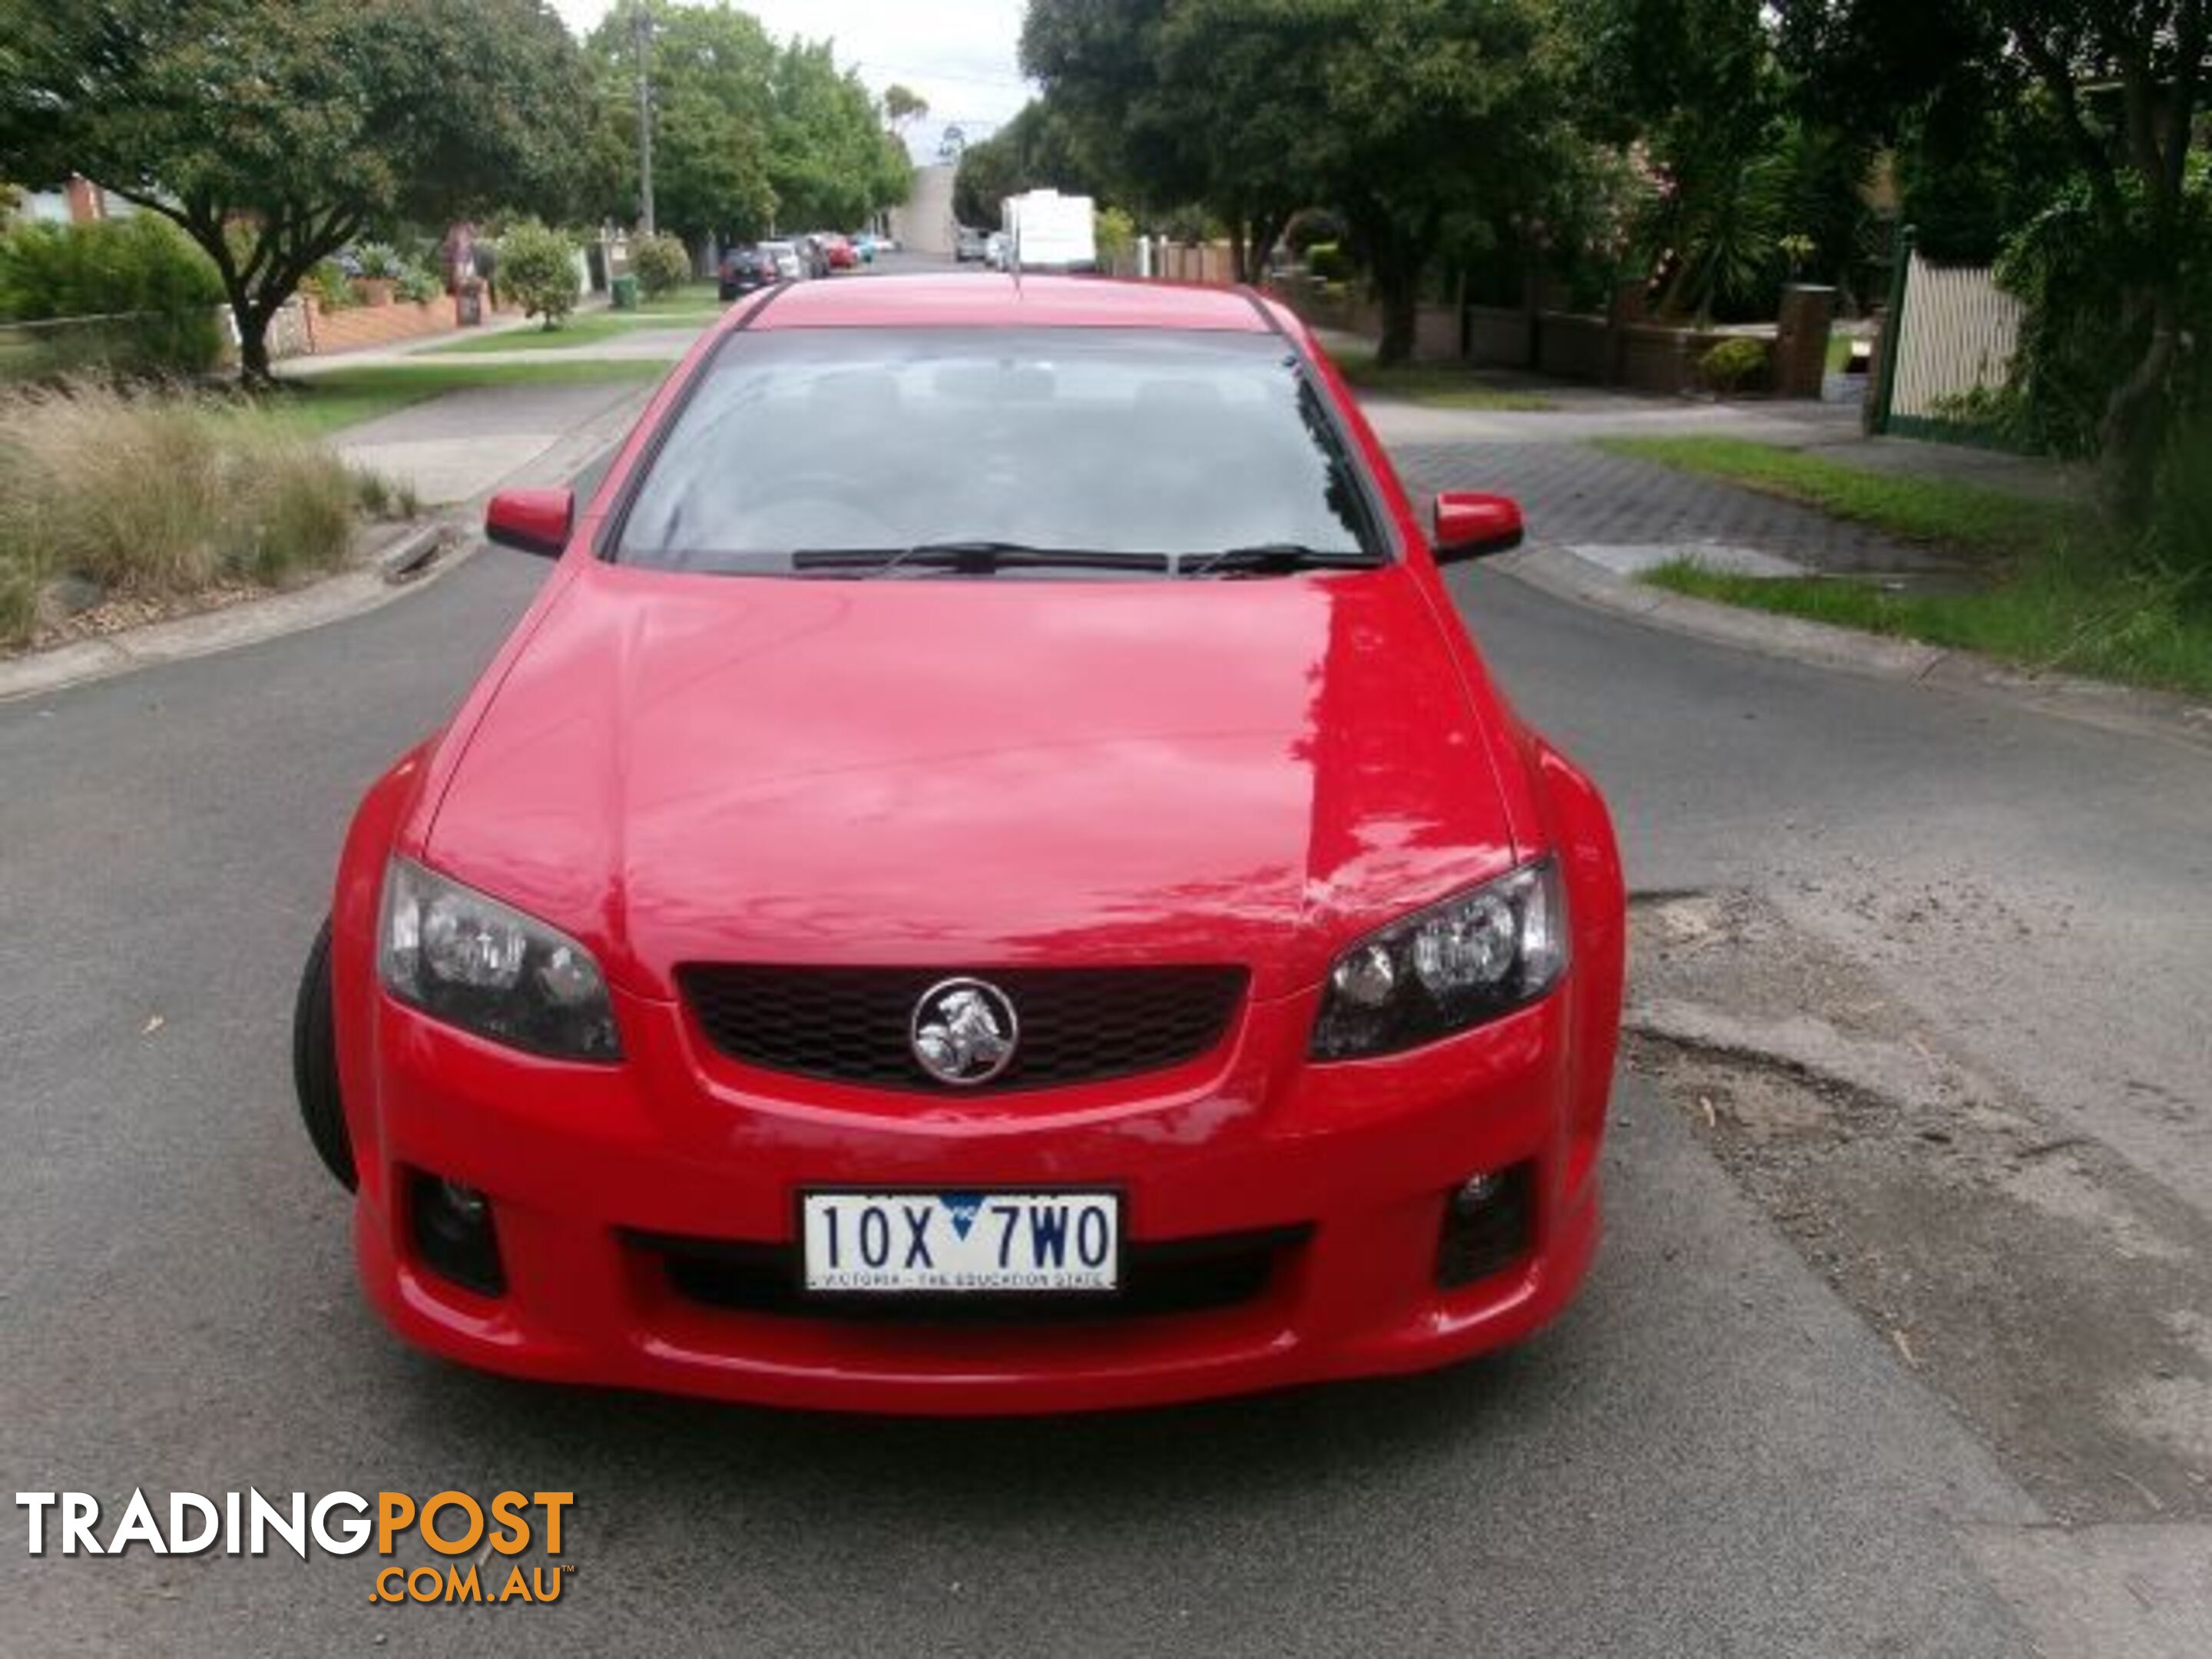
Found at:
(1014, 254)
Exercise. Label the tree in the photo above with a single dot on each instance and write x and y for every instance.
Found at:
(830, 161)
(1408, 116)
(903, 106)
(1032, 151)
(275, 131)
(1255, 168)
(712, 78)
(1698, 81)
(1112, 95)
(2119, 84)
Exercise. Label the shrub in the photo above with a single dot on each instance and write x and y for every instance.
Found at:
(1330, 263)
(154, 294)
(1114, 232)
(537, 266)
(379, 262)
(1311, 225)
(420, 285)
(140, 264)
(662, 263)
(332, 287)
(156, 493)
(2177, 541)
(1738, 364)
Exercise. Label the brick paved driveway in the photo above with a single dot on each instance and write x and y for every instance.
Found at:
(1575, 495)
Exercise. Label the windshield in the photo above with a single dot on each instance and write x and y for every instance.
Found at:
(1093, 441)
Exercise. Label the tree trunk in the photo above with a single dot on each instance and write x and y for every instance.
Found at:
(2132, 435)
(1266, 229)
(253, 342)
(1397, 285)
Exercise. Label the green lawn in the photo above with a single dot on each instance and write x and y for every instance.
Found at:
(319, 404)
(703, 298)
(599, 327)
(2076, 614)
(2062, 593)
(1932, 510)
(1436, 385)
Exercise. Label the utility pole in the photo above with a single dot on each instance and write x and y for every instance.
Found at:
(640, 29)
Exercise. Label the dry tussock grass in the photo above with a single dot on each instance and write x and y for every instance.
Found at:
(157, 493)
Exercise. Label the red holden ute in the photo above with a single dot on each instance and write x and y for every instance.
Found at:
(1030, 902)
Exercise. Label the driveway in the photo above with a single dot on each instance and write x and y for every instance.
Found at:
(1714, 1453)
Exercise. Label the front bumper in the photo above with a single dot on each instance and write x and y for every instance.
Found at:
(1348, 1167)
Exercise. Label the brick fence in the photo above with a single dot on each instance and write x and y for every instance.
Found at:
(355, 327)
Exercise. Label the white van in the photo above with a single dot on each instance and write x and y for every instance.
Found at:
(1048, 231)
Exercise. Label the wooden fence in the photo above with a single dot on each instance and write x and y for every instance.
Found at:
(1952, 333)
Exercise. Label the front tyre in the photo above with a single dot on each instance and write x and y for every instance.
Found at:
(315, 1063)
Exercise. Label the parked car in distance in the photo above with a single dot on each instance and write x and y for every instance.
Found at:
(1031, 901)
(968, 245)
(745, 268)
(997, 250)
(837, 250)
(789, 265)
(864, 246)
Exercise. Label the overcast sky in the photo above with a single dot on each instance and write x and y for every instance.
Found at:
(959, 54)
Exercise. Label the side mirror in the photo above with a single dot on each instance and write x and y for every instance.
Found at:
(1470, 525)
(536, 520)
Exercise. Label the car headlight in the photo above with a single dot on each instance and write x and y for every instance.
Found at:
(486, 967)
(1472, 957)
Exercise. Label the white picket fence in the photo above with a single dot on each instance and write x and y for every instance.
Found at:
(1956, 336)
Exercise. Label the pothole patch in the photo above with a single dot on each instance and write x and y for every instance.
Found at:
(2049, 1291)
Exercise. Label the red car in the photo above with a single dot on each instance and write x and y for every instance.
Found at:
(1034, 905)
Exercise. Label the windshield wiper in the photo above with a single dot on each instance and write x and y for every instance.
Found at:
(969, 558)
(1273, 558)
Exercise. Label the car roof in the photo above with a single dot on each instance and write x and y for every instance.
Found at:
(948, 300)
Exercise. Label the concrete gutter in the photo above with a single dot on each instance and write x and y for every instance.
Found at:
(1556, 571)
(418, 557)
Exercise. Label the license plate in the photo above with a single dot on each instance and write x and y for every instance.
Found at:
(963, 1241)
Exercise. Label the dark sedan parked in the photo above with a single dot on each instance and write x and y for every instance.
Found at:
(745, 270)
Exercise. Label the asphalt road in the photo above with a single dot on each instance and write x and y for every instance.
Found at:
(1710, 1455)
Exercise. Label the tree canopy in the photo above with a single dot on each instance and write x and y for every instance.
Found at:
(1252, 108)
(1033, 151)
(273, 135)
(747, 132)
(2072, 126)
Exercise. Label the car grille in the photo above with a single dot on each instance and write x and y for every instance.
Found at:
(852, 1024)
(1171, 1276)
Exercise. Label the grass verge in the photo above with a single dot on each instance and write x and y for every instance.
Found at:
(704, 298)
(1935, 510)
(1436, 385)
(311, 405)
(577, 331)
(2064, 594)
(153, 494)
(2067, 613)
